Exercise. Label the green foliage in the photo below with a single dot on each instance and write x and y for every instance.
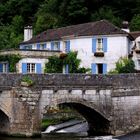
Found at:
(55, 64)
(12, 60)
(27, 80)
(135, 23)
(106, 13)
(11, 34)
(124, 65)
(44, 14)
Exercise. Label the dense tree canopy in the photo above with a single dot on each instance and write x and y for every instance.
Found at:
(44, 14)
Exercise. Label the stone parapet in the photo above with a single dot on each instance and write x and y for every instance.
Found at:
(31, 53)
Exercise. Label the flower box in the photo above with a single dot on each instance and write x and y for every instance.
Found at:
(99, 54)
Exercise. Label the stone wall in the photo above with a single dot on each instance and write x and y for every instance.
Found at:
(31, 53)
(113, 99)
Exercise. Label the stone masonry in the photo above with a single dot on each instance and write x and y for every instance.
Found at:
(109, 103)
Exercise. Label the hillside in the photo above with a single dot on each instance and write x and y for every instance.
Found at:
(44, 14)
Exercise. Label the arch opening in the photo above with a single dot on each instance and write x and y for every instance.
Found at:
(97, 123)
(4, 123)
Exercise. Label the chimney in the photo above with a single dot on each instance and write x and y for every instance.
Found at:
(125, 26)
(28, 33)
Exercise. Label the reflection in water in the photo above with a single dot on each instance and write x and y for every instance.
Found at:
(70, 137)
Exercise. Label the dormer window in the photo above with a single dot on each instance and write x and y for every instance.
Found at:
(26, 47)
(99, 45)
(55, 45)
(41, 46)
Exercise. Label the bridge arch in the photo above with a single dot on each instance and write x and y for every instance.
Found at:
(5, 119)
(97, 121)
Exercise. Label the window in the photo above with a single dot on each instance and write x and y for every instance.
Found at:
(42, 46)
(30, 67)
(4, 67)
(138, 45)
(99, 45)
(28, 47)
(56, 45)
(67, 46)
(100, 68)
(139, 63)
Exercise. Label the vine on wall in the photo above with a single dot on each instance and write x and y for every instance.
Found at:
(12, 60)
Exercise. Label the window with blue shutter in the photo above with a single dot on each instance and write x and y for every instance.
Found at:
(67, 49)
(7, 67)
(1, 67)
(93, 68)
(58, 45)
(24, 68)
(38, 46)
(105, 44)
(94, 40)
(104, 68)
(38, 68)
(21, 47)
(45, 46)
(66, 69)
(52, 45)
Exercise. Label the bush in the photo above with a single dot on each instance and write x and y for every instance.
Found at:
(124, 65)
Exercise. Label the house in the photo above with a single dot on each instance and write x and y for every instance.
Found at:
(136, 49)
(99, 45)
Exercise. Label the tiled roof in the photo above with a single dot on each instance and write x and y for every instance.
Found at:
(135, 34)
(102, 27)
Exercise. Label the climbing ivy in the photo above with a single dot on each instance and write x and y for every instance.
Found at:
(12, 60)
(55, 64)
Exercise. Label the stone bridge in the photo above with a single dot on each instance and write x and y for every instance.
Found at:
(109, 103)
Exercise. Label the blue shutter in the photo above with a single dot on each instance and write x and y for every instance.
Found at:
(67, 69)
(7, 67)
(93, 68)
(94, 45)
(38, 68)
(38, 46)
(58, 45)
(45, 46)
(24, 68)
(21, 46)
(1, 67)
(105, 44)
(67, 46)
(52, 45)
(104, 68)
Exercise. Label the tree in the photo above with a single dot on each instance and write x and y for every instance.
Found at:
(106, 13)
(55, 64)
(135, 23)
(124, 65)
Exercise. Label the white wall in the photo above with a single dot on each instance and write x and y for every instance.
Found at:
(117, 47)
(136, 56)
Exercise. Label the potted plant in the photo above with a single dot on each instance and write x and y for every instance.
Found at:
(26, 81)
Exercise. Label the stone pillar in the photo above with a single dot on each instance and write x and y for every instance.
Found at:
(26, 120)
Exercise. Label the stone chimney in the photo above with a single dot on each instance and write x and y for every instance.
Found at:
(28, 33)
(125, 26)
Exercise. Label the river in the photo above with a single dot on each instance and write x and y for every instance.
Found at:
(135, 136)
